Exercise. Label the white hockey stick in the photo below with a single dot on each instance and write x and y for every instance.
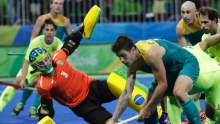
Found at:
(129, 119)
(16, 54)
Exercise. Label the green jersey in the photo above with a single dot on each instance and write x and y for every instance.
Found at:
(213, 51)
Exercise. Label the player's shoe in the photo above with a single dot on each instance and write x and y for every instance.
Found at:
(18, 108)
(203, 117)
(90, 21)
(164, 119)
(33, 113)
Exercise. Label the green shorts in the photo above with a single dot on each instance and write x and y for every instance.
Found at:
(190, 69)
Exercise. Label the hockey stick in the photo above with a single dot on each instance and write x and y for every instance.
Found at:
(17, 86)
(17, 54)
(128, 120)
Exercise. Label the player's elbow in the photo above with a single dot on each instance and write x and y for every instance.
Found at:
(127, 96)
(163, 85)
(204, 45)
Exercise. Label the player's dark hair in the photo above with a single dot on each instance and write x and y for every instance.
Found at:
(123, 42)
(211, 12)
(49, 22)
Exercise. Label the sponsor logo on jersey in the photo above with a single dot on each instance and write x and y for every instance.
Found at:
(60, 62)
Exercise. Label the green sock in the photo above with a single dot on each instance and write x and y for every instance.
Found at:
(26, 94)
(37, 100)
(191, 112)
(6, 96)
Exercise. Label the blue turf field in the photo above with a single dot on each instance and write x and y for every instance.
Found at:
(63, 115)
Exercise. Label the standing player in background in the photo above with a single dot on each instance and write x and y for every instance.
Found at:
(62, 22)
(189, 29)
(47, 41)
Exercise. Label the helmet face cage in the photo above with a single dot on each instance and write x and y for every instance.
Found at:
(40, 59)
(44, 63)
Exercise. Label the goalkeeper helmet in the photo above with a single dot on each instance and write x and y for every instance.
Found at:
(40, 59)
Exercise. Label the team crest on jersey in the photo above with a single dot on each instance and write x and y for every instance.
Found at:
(60, 62)
(150, 41)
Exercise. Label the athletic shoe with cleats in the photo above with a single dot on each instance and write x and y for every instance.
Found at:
(164, 119)
(18, 108)
(33, 113)
(203, 117)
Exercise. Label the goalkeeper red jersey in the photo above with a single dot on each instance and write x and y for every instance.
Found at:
(67, 85)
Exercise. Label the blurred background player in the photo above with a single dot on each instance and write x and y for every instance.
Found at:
(189, 29)
(62, 22)
(47, 41)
